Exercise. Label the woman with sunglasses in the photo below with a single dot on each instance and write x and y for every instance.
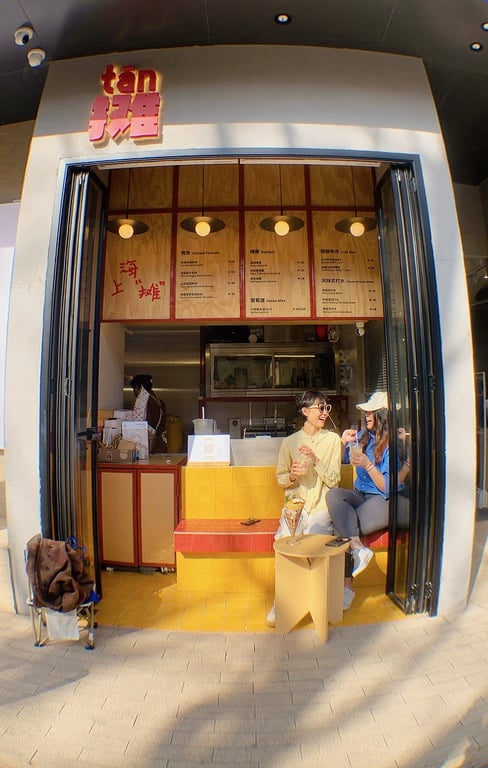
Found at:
(309, 463)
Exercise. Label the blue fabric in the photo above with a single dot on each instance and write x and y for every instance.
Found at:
(363, 481)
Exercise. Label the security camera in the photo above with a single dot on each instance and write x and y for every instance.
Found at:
(360, 329)
(23, 35)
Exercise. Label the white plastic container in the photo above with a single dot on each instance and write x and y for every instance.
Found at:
(204, 426)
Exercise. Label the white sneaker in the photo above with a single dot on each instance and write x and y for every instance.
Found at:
(361, 559)
(271, 617)
(349, 595)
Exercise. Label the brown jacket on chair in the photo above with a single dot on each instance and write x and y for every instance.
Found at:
(56, 574)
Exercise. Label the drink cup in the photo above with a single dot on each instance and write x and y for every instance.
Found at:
(355, 452)
(303, 462)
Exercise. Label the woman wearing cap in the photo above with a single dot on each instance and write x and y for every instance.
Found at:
(309, 464)
(364, 509)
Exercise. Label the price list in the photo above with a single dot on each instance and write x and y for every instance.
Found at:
(347, 272)
(277, 272)
(207, 274)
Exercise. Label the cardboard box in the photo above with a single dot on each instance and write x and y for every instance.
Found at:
(112, 455)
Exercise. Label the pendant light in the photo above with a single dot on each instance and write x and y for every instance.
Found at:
(355, 225)
(281, 225)
(126, 227)
(202, 225)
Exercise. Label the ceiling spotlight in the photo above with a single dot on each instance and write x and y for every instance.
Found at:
(282, 18)
(23, 35)
(36, 56)
(476, 47)
(484, 26)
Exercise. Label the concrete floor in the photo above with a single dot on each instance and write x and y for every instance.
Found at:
(406, 694)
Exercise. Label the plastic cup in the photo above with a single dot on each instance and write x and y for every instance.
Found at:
(355, 451)
(304, 463)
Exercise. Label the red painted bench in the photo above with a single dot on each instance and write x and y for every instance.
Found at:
(221, 535)
(194, 536)
(378, 539)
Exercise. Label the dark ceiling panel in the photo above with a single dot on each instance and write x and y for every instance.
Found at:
(438, 31)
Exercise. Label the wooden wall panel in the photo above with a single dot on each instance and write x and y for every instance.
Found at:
(277, 272)
(207, 272)
(262, 185)
(149, 188)
(137, 273)
(331, 185)
(221, 186)
(338, 279)
(347, 271)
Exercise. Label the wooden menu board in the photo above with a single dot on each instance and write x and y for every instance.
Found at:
(207, 273)
(277, 273)
(136, 278)
(347, 271)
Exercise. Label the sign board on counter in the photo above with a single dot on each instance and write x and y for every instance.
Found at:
(137, 432)
(209, 449)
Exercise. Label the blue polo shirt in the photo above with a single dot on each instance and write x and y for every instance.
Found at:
(363, 481)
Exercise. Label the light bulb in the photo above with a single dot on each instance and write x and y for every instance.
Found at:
(202, 228)
(126, 231)
(357, 228)
(281, 228)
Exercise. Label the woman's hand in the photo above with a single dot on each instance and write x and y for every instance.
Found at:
(348, 436)
(359, 459)
(307, 452)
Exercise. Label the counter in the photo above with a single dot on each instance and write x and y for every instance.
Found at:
(139, 508)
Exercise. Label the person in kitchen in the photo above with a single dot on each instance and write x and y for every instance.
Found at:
(149, 407)
(309, 464)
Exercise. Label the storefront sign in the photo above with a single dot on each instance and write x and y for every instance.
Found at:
(129, 108)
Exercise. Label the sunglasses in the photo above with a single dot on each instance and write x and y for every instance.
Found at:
(323, 407)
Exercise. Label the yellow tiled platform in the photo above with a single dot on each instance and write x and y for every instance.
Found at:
(226, 593)
(230, 492)
(153, 601)
(245, 571)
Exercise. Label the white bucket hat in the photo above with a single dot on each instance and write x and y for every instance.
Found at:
(375, 402)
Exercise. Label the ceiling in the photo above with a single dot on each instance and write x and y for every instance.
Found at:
(438, 31)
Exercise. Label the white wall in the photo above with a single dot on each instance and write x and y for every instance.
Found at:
(283, 99)
(9, 215)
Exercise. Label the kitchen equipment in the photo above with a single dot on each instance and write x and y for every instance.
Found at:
(241, 378)
(235, 428)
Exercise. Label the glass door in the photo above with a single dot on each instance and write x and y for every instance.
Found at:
(415, 390)
(71, 371)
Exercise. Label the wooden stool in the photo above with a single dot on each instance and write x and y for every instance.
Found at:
(309, 578)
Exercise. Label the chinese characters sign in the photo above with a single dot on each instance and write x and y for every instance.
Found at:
(207, 281)
(129, 107)
(277, 272)
(347, 271)
(137, 273)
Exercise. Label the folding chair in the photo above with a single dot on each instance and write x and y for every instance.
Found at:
(58, 584)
